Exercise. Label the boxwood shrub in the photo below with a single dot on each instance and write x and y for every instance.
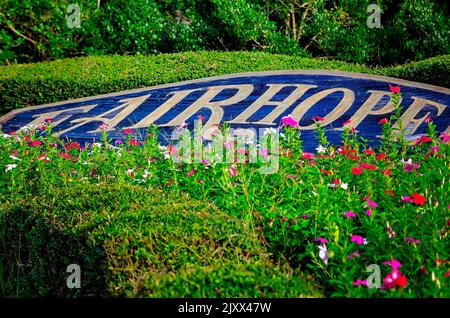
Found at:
(40, 83)
(135, 242)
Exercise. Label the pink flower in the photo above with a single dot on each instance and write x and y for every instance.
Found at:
(265, 153)
(103, 127)
(357, 239)
(127, 131)
(321, 240)
(34, 143)
(118, 142)
(445, 137)
(393, 263)
(353, 255)
(290, 176)
(394, 89)
(204, 161)
(412, 241)
(233, 171)
(369, 212)
(289, 121)
(371, 203)
(307, 155)
(350, 214)
(406, 198)
(305, 216)
(360, 282)
(191, 173)
(134, 143)
(394, 279)
(383, 121)
(429, 119)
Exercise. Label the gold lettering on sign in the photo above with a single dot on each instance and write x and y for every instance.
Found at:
(408, 116)
(163, 108)
(345, 103)
(367, 108)
(41, 117)
(125, 109)
(216, 107)
(266, 99)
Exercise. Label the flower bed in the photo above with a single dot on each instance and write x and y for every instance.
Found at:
(359, 221)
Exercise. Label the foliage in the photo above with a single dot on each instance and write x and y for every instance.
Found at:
(40, 83)
(411, 29)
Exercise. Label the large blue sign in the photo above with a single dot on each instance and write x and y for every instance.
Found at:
(247, 101)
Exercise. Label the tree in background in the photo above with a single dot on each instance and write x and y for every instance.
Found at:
(38, 30)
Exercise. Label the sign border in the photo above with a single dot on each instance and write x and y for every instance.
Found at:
(355, 75)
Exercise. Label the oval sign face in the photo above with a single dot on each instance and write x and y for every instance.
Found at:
(247, 102)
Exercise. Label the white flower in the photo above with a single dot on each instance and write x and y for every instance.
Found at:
(15, 158)
(97, 144)
(344, 185)
(10, 167)
(146, 174)
(323, 253)
(130, 172)
(269, 131)
(365, 242)
(321, 149)
(331, 185)
(6, 136)
(166, 155)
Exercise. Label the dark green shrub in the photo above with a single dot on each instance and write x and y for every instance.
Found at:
(34, 84)
(132, 241)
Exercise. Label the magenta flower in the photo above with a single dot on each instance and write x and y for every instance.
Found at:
(265, 153)
(290, 176)
(305, 216)
(289, 121)
(407, 199)
(204, 161)
(360, 282)
(394, 264)
(369, 212)
(321, 240)
(371, 203)
(350, 214)
(233, 171)
(412, 241)
(353, 255)
(191, 173)
(357, 239)
(445, 137)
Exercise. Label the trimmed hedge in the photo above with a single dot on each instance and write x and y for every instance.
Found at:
(135, 242)
(41, 83)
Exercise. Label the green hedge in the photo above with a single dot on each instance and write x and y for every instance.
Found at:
(135, 242)
(34, 84)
